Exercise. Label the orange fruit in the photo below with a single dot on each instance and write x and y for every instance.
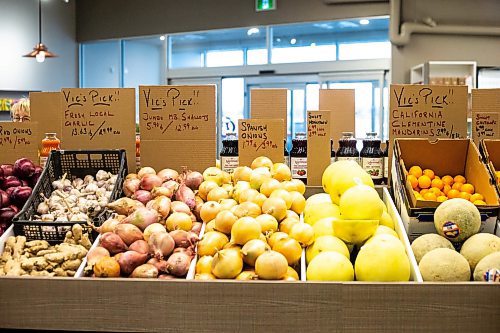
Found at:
(446, 189)
(413, 181)
(425, 190)
(430, 196)
(424, 181)
(416, 171)
(457, 186)
(437, 177)
(453, 194)
(459, 179)
(475, 197)
(441, 198)
(479, 203)
(438, 183)
(464, 195)
(418, 189)
(448, 180)
(429, 173)
(469, 188)
(435, 190)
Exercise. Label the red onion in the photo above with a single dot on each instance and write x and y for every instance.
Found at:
(168, 174)
(143, 196)
(179, 207)
(172, 185)
(161, 244)
(186, 195)
(145, 271)
(129, 233)
(161, 204)
(130, 186)
(129, 260)
(149, 181)
(11, 181)
(125, 206)
(4, 199)
(193, 180)
(24, 168)
(196, 228)
(112, 242)
(140, 246)
(6, 214)
(7, 170)
(20, 195)
(162, 191)
(178, 264)
(142, 217)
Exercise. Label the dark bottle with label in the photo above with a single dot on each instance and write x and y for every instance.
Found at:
(332, 152)
(386, 163)
(347, 148)
(298, 157)
(372, 158)
(229, 153)
(287, 154)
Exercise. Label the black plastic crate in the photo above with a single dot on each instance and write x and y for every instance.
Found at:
(75, 164)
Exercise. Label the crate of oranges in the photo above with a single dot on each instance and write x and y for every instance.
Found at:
(427, 186)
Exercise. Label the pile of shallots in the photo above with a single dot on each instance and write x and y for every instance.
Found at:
(154, 230)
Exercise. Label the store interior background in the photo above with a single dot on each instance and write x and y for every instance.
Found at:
(116, 43)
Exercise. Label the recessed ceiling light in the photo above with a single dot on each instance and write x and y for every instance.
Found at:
(162, 37)
(253, 31)
(364, 22)
(293, 41)
(313, 44)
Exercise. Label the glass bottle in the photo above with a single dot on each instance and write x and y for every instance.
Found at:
(137, 151)
(372, 158)
(298, 157)
(49, 143)
(287, 155)
(347, 148)
(332, 152)
(386, 163)
(229, 154)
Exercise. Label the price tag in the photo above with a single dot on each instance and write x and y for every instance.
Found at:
(17, 141)
(485, 114)
(318, 145)
(341, 103)
(269, 104)
(177, 125)
(45, 109)
(260, 137)
(101, 118)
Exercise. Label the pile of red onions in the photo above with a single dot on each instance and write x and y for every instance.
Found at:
(16, 183)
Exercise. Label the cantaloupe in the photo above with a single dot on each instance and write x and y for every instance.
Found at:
(479, 246)
(427, 243)
(488, 269)
(444, 265)
(457, 219)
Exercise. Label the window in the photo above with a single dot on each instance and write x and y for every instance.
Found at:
(100, 65)
(375, 50)
(233, 97)
(224, 58)
(257, 57)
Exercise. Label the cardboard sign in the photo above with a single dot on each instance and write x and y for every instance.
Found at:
(485, 114)
(269, 104)
(318, 145)
(177, 125)
(18, 140)
(260, 137)
(341, 103)
(102, 118)
(45, 109)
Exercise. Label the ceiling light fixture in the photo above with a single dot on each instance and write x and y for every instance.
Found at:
(313, 44)
(364, 22)
(253, 31)
(293, 41)
(40, 51)
(162, 37)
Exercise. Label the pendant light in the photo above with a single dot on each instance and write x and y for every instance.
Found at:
(40, 51)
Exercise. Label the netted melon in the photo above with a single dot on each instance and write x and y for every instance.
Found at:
(488, 269)
(457, 219)
(479, 246)
(429, 242)
(444, 265)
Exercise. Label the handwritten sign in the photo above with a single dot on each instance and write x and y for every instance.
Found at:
(341, 103)
(260, 137)
(45, 109)
(17, 141)
(269, 104)
(101, 118)
(318, 145)
(485, 114)
(178, 122)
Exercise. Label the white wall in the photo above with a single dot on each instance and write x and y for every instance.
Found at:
(18, 36)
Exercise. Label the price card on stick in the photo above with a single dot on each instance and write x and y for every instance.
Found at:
(45, 109)
(318, 145)
(341, 103)
(18, 140)
(269, 104)
(260, 137)
(177, 126)
(101, 118)
(485, 114)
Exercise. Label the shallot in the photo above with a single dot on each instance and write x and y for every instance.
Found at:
(130, 186)
(145, 271)
(130, 260)
(108, 226)
(95, 254)
(148, 182)
(186, 195)
(161, 204)
(172, 185)
(179, 207)
(196, 228)
(142, 195)
(140, 246)
(113, 243)
(142, 217)
(161, 244)
(178, 264)
(125, 206)
(161, 191)
(168, 174)
(193, 179)
(184, 238)
(129, 233)
(145, 171)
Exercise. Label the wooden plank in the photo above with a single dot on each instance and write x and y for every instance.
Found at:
(231, 306)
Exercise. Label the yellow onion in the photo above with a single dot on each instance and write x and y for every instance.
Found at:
(271, 265)
(179, 221)
(262, 161)
(242, 173)
(290, 248)
(224, 221)
(214, 174)
(247, 275)
(217, 194)
(245, 229)
(269, 185)
(210, 226)
(274, 237)
(281, 172)
(252, 250)
(238, 188)
(291, 275)
(267, 223)
(205, 276)
(211, 242)
(298, 202)
(227, 264)
(275, 207)
(227, 204)
(300, 186)
(205, 188)
(247, 195)
(292, 214)
(204, 265)
(287, 224)
(209, 210)
(302, 233)
(283, 194)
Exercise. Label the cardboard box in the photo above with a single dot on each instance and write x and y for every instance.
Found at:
(444, 156)
(485, 114)
(18, 140)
